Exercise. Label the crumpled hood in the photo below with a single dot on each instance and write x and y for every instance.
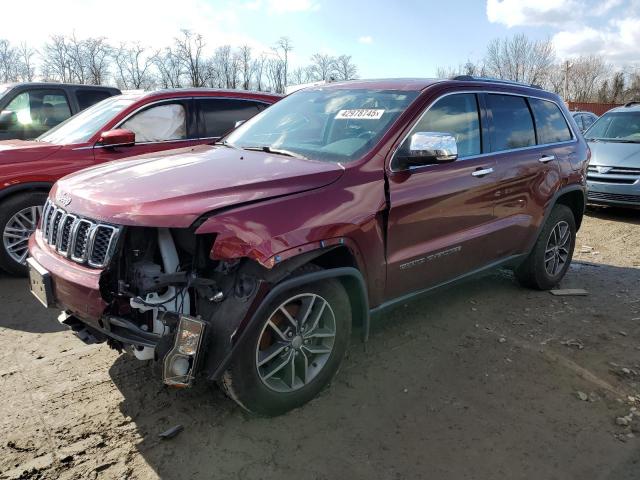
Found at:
(16, 151)
(174, 188)
(615, 154)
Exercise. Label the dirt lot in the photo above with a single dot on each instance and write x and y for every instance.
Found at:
(481, 380)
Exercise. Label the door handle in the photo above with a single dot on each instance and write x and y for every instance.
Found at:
(481, 172)
(546, 158)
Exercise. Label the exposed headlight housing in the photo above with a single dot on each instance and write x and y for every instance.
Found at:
(180, 363)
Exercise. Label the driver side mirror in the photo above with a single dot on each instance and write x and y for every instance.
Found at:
(429, 148)
(120, 137)
(8, 118)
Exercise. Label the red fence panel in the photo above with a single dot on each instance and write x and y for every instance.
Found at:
(597, 108)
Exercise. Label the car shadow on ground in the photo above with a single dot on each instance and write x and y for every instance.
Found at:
(21, 310)
(615, 214)
(435, 391)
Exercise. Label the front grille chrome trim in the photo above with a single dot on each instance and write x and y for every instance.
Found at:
(75, 237)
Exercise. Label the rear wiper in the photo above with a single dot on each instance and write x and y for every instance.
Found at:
(276, 151)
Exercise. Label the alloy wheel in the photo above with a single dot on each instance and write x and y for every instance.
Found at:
(296, 342)
(17, 231)
(556, 252)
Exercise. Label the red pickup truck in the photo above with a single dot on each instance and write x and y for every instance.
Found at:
(118, 127)
(248, 261)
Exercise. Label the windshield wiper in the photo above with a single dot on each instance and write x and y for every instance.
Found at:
(276, 151)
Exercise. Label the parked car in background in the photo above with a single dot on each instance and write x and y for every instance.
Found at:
(247, 262)
(118, 127)
(584, 119)
(614, 170)
(27, 110)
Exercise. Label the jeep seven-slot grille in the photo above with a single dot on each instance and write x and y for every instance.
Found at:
(80, 239)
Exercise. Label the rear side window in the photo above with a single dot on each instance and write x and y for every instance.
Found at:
(40, 109)
(86, 98)
(588, 120)
(219, 115)
(512, 122)
(455, 114)
(550, 123)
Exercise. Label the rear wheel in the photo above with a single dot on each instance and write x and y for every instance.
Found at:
(19, 216)
(551, 256)
(294, 352)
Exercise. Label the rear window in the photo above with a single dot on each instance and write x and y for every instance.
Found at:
(512, 122)
(86, 98)
(550, 123)
(220, 115)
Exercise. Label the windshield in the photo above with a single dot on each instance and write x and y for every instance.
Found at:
(616, 127)
(333, 124)
(81, 127)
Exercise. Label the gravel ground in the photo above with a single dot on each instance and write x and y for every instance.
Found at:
(481, 380)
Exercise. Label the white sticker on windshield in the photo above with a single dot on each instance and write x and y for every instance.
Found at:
(360, 114)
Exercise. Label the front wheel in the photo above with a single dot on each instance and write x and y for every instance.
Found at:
(551, 256)
(294, 352)
(19, 216)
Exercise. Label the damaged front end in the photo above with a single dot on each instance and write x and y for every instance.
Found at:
(168, 302)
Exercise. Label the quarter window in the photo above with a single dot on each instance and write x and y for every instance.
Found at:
(550, 123)
(86, 98)
(457, 115)
(159, 124)
(221, 115)
(512, 122)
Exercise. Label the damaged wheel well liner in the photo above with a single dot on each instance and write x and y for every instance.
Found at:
(351, 278)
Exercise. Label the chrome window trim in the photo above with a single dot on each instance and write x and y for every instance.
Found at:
(574, 138)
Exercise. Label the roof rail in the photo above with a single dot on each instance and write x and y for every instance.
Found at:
(632, 103)
(471, 78)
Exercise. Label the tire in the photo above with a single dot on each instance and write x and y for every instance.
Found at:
(244, 381)
(10, 221)
(537, 271)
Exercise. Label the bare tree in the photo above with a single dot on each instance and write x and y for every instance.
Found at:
(57, 61)
(27, 70)
(275, 74)
(520, 59)
(584, 76)
(190, 50)
(323, 66)
(246, 66)
(258, 68)
(9, 61)
(345, 68)
(282, 49)
(132, 64)
(97, 57)
(169, 68)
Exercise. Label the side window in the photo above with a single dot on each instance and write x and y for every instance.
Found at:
(550, 123)
(588, 120)
(86, 98)
(39, 109)
(159, 124)
(455, 114)
(512, 122)
(220, 115)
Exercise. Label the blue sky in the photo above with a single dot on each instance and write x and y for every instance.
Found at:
(401, 38)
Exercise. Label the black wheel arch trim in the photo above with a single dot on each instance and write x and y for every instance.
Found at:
(350, 273)
(24, 187)
(554, 201)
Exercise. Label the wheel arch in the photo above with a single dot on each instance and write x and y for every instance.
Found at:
(575, 200)
(24, 187)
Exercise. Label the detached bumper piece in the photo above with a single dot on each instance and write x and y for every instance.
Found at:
(181, 361)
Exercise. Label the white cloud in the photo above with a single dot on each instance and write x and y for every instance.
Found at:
(530, 12)
(366, 39)
(617, 41)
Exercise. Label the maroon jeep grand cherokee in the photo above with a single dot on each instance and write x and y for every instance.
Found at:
(247, 262)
